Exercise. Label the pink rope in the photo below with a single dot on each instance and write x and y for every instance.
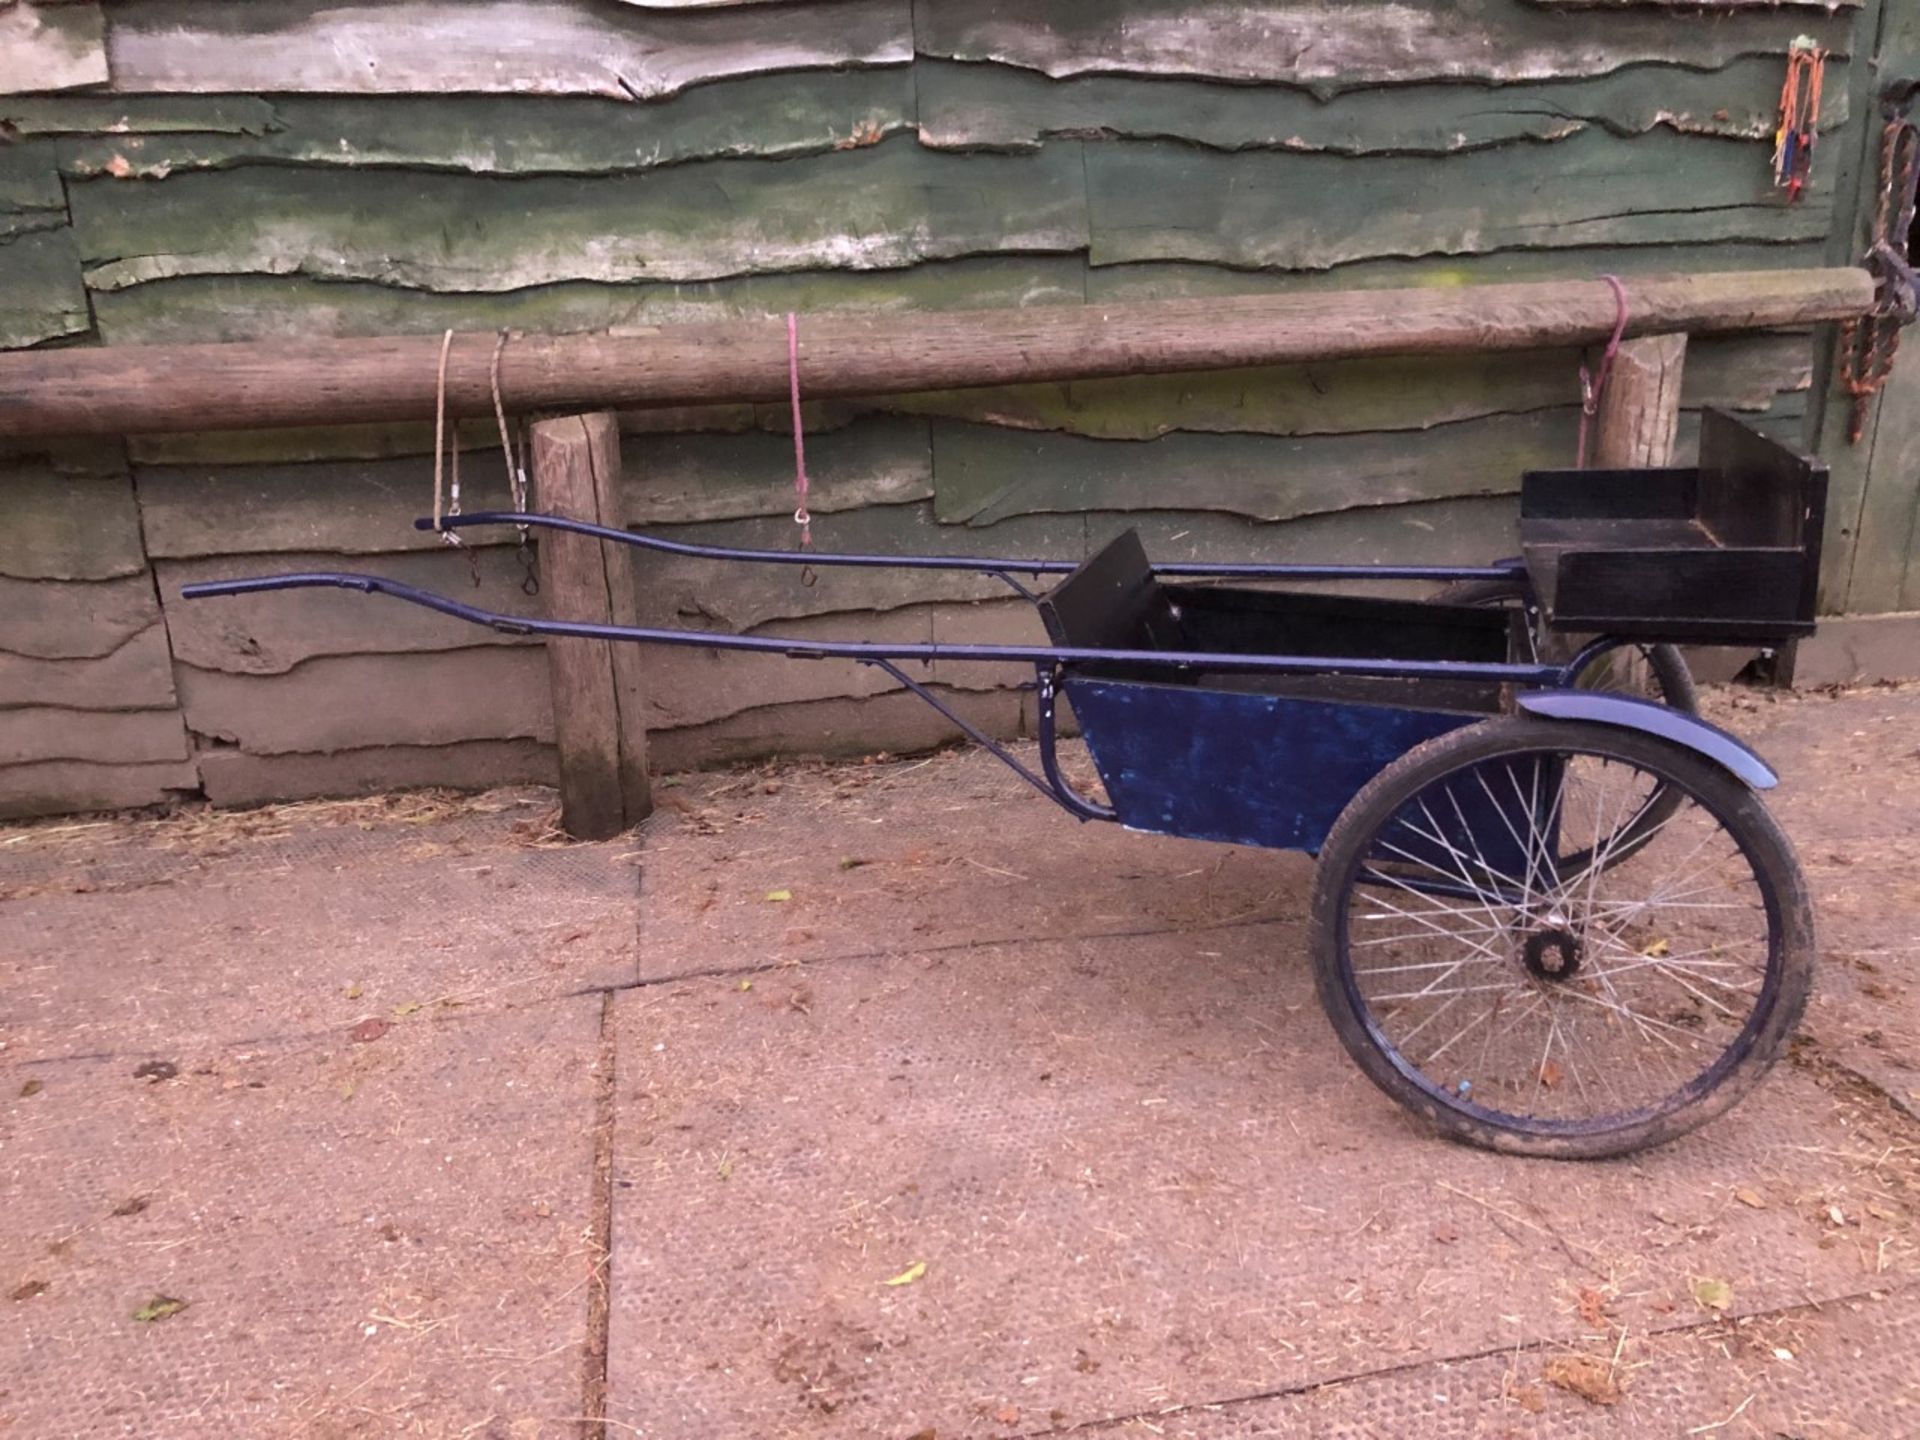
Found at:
(1593, 386)
(801, 517)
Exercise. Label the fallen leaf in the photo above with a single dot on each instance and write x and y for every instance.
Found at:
(1713, 1294)
(29, 1289)
(1529, 1398)
(1551, 1074)
(32, 1087)
(159, 1308)
(1752, 1199)
(154, 1071)
(745, 985)
(1882, 1212)
(132, 1205)
(353, 991)
(726, 1169)
(1658, 950)
(1592, 1307)
(371, 1028)
(907, 1276)
(1582, 1375)
(779, 897)
(400, 1012)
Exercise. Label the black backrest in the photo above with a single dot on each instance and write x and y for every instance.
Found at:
(1756, 492)
(1112, 602)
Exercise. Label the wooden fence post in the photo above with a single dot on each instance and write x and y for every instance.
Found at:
(1640, 411)
(597, 717)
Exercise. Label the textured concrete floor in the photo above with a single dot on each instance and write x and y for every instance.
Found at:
(395, 1118)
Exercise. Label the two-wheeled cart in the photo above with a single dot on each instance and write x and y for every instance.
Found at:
(1553, 919)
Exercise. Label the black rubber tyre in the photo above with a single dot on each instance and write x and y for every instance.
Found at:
(1721, 1057)
(1666, 676)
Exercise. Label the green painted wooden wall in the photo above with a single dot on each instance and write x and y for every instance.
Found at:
(175, 170)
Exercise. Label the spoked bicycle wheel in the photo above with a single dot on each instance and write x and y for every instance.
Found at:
(1491, 960)
(1645, 671)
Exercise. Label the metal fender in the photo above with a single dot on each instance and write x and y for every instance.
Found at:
(1600, 708)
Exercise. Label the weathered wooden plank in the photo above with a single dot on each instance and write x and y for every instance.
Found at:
(761, 115)
(1160, 201)
(65, 787)
(697, 687)
(1705, 6)
(137, 114)
(599, 691)
(1177, 279)
(302, 444)
(998, 107)
(547, 47)
(30, 194)
(880, 207)
(47, 620)
(31, 734)
(61, 526)
(1639, 411)
(489, 692)
(689, 593)
(136, 389)
(1331, 44)
(41, 297)
(340, 506)
(136, 676)
(673, 479)
(893, 723)
(51, 47)
(271, 634)
(1341, 397)
(1883, 547)
(983, 474)
(251, 307)
(234, 778)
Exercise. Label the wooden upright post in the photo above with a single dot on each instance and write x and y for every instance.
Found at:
(597, 717)
(1640, 410)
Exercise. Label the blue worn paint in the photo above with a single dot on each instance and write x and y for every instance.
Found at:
(1691, 731)
(1239, 766)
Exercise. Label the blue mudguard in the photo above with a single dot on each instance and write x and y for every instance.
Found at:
(1600, 708)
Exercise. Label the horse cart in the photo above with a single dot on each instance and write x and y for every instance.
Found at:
(1550, 916)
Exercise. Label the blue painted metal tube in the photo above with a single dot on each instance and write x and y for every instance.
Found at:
(982, 563)
(867, 650)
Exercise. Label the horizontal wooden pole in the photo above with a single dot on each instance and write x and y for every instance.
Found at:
(148, 389)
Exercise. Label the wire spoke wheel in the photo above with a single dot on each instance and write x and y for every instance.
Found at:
(1502, 952)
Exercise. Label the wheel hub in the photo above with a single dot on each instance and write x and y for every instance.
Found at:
(1552, 953)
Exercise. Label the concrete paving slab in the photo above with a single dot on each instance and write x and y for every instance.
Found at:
(1140, 1173)
(386, 1238)
(949, 850)
(299, 931)
(1840, 1371)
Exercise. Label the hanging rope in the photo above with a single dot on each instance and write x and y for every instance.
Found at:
(1594, 384)
(516, 468)
(801, 515)
(440, 447)
(1869, 343)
